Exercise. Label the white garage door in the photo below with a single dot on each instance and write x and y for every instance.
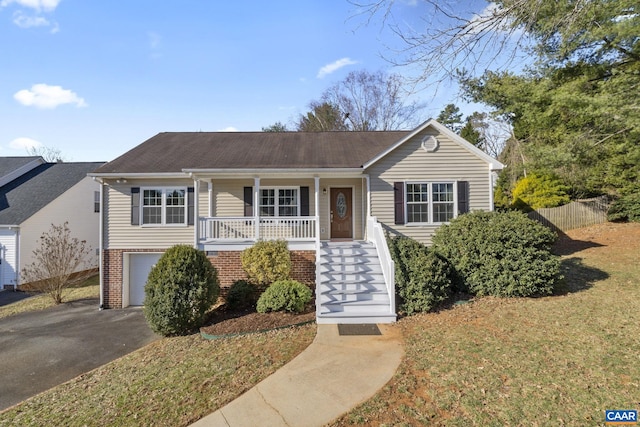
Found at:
(139, 267)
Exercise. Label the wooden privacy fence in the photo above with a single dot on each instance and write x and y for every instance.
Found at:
(577, 214)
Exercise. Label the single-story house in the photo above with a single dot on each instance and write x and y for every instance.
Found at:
(35, 194)
(331, 195)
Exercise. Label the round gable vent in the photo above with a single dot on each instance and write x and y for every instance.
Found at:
(430, 143)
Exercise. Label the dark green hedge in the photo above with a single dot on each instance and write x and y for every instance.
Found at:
(499, 253)
(181, 288)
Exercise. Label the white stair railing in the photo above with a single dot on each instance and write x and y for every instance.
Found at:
(375, 235)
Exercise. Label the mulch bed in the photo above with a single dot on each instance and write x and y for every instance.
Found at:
(229, 322)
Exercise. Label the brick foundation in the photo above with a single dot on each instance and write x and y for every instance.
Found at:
(228, 264)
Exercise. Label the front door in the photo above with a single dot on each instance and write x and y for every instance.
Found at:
(341, 213)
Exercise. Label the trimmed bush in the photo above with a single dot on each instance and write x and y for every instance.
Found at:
(267, 261)
(242, 294)
(423, 279)
(181, 288)
(502, 254)
(284, 295)
(539, 191)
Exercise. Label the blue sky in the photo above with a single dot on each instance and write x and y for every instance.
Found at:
(96, 78)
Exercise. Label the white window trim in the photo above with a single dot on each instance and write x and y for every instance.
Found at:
(276, 205)
(430, 202)
(163, 207)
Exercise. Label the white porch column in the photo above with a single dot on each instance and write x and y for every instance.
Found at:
(256, 205)
(210, 190)
(316, 180)
(368, 209)
(196, 212)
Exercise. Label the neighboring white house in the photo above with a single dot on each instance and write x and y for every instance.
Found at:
(34, 195)
(331, 195)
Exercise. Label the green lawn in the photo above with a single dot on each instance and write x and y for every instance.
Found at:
(560, 360)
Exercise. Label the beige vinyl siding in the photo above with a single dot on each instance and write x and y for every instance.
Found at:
(120, 234)
(75, 206)
(409, 162)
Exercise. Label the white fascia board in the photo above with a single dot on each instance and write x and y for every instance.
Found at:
(493, 163)
(274, 173)
(123, 175)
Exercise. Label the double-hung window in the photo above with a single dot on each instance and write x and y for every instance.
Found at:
(279, 201)
(164, 206)
(429, 202)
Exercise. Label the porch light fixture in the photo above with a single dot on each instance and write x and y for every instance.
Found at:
(121, 181)
(324, 191)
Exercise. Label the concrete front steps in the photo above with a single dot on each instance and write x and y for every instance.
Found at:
(352, 288)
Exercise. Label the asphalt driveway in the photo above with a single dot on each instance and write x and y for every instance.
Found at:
(40, 350)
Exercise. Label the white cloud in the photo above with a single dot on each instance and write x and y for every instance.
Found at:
(37, 5)
(228, 129)
(334, 66)
(24, 21)
(45, 96)
(34, 17)
(24, 143)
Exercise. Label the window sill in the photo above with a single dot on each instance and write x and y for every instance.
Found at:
(164, 226)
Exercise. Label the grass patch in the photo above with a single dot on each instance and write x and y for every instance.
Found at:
(171, 382)
(558, 360)
(90, 288)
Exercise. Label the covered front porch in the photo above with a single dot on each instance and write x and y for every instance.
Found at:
(302, 209)
(354, 281)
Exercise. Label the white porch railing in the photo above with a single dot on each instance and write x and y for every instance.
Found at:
(375, 234)
(269, 228)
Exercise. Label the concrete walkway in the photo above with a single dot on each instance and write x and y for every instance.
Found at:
(332, 376)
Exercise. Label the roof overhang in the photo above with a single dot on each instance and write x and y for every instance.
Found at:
(275, 173)
(236, 173)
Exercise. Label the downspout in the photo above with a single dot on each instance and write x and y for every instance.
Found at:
(491, 184)
(101, 243)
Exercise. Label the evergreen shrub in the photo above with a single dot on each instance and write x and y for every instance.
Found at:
(267, 261)
(626, 208)
(284, 295)
(537, 191)
(504, 254)
(181, 288)
(242, 294)
(423, 278)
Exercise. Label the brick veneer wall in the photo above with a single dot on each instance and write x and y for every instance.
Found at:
(228, 264)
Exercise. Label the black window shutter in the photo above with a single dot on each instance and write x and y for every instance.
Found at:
(248, 201)
(463, 197)
(398, 200)
(304, 201)
(135, 205)
(190, 205)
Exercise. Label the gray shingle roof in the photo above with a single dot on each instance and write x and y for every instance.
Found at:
(10, 164)
(175, 151)
(27, 194)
